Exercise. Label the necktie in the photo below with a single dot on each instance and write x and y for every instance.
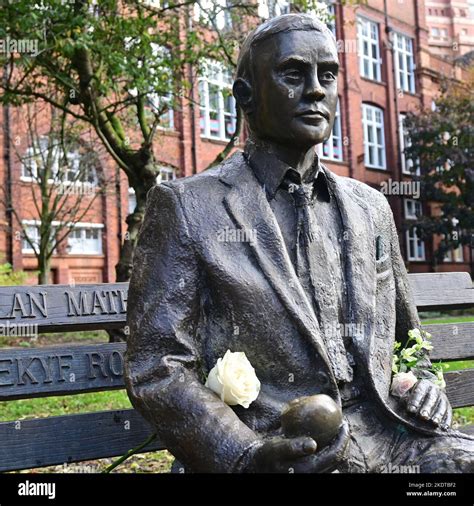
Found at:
(315, 274)
(305, 227)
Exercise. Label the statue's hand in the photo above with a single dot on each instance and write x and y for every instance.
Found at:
(278, 455)
(428, 402)
(298, 455)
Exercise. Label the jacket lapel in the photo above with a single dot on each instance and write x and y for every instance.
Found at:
(359, 261)
(247, 204)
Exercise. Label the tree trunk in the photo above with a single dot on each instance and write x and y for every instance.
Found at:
(123, 269)
(44, 268)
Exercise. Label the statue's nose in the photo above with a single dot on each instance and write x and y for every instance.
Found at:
(313, 87)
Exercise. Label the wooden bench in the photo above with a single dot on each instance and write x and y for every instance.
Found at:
(67, 370)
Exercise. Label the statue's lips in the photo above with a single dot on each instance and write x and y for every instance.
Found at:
(313, 115)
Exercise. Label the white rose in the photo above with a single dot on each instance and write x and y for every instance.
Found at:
(233, 378)
(402, 382)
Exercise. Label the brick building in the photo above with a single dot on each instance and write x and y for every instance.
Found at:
(391, 63)
(451, 27)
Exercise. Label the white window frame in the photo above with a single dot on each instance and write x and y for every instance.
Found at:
(404, 62)
(413, 209)
(61, 175)
(218, 9)
(33, 153)
(370, 124)
(418, 246)
(333, 144)
(332, 12)
(372, 40)
(84, 227)
(165, 174)
(458, 254)
(25, 247)
(205, 110)
(155, 99)
(455, 255)
(405, 142)
(73, 166)
(272, 8)
(132, 201)
(168, 116)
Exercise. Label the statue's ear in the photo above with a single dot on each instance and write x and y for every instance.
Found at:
(242, 91)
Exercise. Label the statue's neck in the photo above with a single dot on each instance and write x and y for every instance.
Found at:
(299, 159)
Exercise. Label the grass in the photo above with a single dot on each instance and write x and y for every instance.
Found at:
(83, 337)
(449, 319)
(459, 365)
(65, 405)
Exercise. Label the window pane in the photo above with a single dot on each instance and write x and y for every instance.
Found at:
(214, 124)
(229, 126)
(213, 97)
(379, 137)
(85, 241)
(374, 52)
(370, 134)
(371, 155)
(366, 68)
(217, 105)
(411, 248)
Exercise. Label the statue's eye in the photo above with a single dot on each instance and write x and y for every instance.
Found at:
(293, 74)
(327, 76)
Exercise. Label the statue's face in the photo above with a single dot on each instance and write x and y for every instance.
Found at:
(295, 88)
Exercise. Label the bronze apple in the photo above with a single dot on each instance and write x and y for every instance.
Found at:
(317, 416)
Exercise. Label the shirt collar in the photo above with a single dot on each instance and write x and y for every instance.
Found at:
(271, 171)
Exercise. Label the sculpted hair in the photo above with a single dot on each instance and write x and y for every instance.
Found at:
(279, 24)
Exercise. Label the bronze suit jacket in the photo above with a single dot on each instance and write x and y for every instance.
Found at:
(192, 296)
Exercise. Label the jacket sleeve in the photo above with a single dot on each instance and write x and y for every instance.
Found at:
(163, 366)
(406, 313)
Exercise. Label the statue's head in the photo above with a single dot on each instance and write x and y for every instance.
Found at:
(286, 82)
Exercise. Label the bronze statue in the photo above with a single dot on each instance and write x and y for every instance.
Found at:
(268, 254)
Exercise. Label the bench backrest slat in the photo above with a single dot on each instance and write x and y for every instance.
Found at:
(60, 370)
(72, 438)
(64, 307)
(442, 290)
(460, 388)
(452, 341)
(72, 369)
(67, 308)
(440, 281)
